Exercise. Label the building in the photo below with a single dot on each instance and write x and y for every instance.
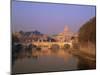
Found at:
(64, 36)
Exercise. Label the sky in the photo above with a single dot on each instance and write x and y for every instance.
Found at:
(49, 18)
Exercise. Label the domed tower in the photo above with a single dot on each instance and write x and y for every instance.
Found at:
(65, 33)
(64, 36)
(66, 29)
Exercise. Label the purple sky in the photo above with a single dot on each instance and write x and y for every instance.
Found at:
(49, 18)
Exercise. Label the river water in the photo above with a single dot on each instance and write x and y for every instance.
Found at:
(45, 60)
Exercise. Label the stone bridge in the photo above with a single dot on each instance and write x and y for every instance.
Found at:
(50, 44)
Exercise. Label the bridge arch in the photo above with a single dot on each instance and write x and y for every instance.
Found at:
(66, 46)
(55, 46)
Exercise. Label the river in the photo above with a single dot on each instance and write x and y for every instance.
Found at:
(45, 60)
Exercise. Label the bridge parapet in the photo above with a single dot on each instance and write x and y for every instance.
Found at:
(49, 44)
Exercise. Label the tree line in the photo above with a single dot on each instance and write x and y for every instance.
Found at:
(88, 31)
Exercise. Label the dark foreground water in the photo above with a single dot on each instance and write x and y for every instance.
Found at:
(44, 61)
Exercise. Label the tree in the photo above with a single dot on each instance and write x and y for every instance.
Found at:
(88, 31)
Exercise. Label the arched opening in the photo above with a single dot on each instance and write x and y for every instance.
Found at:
(55, 47)
(66, 46)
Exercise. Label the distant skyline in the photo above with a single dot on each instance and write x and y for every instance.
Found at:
(49, 18)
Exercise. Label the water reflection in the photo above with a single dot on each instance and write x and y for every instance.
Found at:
(44, 60)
